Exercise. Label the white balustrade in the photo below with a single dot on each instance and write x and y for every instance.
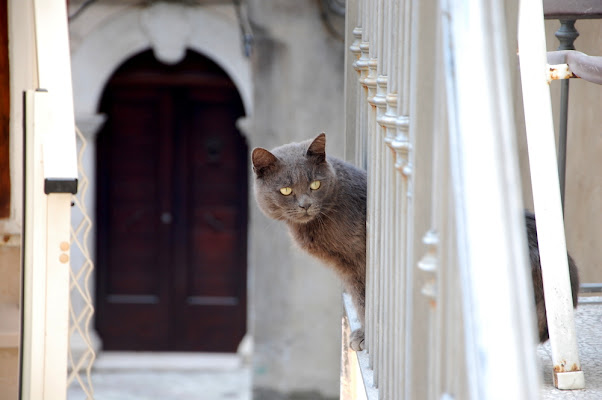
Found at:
(448, 300)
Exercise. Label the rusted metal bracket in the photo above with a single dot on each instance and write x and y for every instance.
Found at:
(579, 64)
(559, 71)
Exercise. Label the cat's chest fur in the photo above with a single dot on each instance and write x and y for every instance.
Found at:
(315, 237)
(334, 239)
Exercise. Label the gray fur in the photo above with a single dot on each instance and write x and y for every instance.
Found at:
(540, 304)
(330, 223)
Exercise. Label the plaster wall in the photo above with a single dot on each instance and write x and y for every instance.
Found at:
(295, 317)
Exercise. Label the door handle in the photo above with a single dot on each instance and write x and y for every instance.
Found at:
(166, 218)
(213, 222)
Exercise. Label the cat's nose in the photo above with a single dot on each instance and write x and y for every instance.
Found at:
(305, 205)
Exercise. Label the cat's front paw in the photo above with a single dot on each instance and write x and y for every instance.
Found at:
(356, 340)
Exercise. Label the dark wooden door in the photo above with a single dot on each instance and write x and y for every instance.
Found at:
(171, 209)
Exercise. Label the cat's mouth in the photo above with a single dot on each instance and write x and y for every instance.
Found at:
(304, 216)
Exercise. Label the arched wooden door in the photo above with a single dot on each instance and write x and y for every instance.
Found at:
(171, 209)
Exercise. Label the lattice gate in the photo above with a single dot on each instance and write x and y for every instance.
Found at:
(81, 309)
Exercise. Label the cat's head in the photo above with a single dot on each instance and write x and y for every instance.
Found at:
(294, 182)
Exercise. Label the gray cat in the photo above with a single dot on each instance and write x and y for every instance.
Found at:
(323, 201)
(540, 305)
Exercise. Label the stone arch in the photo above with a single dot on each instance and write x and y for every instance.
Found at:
(168, 29)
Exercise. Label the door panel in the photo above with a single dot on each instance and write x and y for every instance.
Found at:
(130, 252)
(172, 170)
(210, 285)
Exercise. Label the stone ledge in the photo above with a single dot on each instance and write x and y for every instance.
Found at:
(270, 394)
(362, 356)
(166, 361)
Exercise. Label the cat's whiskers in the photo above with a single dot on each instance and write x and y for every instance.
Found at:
(295, 216)
(326, 216)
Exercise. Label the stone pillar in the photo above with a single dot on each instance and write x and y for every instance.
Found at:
(295, 300)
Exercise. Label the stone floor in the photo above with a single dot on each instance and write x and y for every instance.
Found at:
(588, 320)
(173, 376)
(152, 376)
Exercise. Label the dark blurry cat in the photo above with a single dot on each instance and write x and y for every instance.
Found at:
(540, 305)
(323, 201)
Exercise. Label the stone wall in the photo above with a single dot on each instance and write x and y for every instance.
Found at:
(295, 313)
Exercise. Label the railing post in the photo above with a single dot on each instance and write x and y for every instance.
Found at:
(566, 35)
(350, 89)
(51, 179)
(497, 301)
(57, 298)
(546, 197)
(34, 250)
(46, 263)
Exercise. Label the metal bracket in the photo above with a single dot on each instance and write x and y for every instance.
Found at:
(57, 185)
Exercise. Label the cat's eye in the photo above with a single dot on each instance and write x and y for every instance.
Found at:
(286, 191)
(315, 185)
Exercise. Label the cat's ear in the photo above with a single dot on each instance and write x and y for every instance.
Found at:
(263, 161)
(317, 148)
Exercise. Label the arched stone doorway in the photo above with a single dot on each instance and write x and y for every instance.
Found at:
(119, 34)
(171, 208)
